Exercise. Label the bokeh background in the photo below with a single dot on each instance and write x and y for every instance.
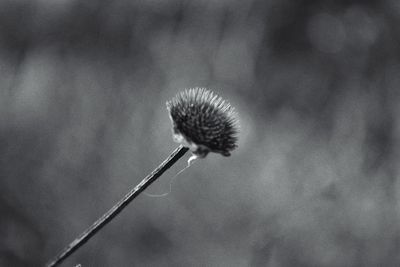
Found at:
(314, 181)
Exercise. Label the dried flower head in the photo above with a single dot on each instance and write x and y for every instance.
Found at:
(204, 122)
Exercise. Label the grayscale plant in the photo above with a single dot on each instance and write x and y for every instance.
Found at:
(202, 122)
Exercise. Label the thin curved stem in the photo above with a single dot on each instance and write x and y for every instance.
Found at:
(114, 211)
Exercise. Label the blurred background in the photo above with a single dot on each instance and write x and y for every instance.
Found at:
(314, 181)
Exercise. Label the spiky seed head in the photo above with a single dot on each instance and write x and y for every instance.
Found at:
(204, 122)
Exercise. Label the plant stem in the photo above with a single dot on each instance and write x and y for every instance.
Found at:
(114, 211)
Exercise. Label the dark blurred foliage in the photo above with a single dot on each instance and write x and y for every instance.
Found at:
(314, 182)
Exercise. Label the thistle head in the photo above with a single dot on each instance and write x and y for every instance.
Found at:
(204, 122)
